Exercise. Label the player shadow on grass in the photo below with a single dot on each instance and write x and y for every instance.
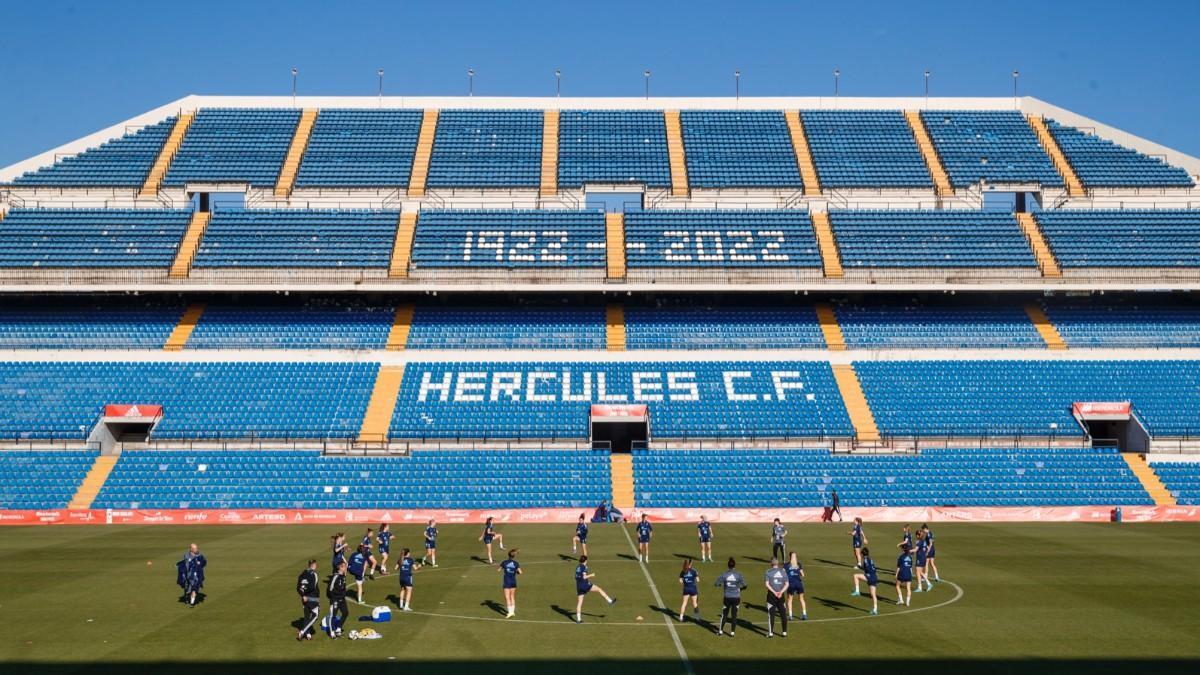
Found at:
(672, 615)
(571, 615)
(838, 605)
(626, 556)
(393, 599)
(495, 607)
(835, 562)
(201, 596)
(479, 559)
(564, 557)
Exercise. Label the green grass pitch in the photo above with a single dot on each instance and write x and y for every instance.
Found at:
(1018, 598)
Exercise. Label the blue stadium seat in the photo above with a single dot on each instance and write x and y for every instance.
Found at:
(487, 149)
(234, 145)
(880, 323)
(739, 149)
(509, 239)
(262, 238)
(612, 147)
(87, 323)
(83, 238)
(531, 325)
(1136, 322)
(864, 149)
(1130, 238)
(694, 324)
(1182, 480)
(121, 162)
(315, 324)
(997, 146)
(42, 479)
(1099, 162)
(360, 148)
(724, 238)
(912, 238)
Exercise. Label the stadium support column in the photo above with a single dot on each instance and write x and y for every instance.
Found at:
(614, 327)
(941, 181)
(830, 328)
(178, 338)
(378, 419)
(808, 170)
(856, 403)
(831, 259)
(406, 228)
(422, 155)
(676, 154)
(1045, 327)
(614, 229)
(1149, 480)
(93, 482)
(291, 163)
(166, 154)
(181, 267)
(397, 338)
(1050, 145)
(549, 185)
(1046, 261)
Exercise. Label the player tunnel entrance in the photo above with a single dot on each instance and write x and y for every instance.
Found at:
(125, 424)
(619, 428)
(1112, 425)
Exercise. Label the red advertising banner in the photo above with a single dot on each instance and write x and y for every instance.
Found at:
(619, 413)
(932, 514)
(135, 410)
(1092, 410)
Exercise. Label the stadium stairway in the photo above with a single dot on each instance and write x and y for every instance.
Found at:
(406, 228)
(1045, 327)
(834, 339)
(676, 154)
(381, 405)
(420, 164)
(941, 180)
(614, 230)
(169, 148)
(181, 267)
(1041, 250)
(1150, 480)
(291, 162)
(865, 429)
(622, 480)
(614, 327)
(178, 338)
(808, 170)
(549, 184)
(93, 482)
(1050, 145)
(831, 259)
(397, 338)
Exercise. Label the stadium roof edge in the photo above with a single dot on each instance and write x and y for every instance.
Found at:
(1026, 104)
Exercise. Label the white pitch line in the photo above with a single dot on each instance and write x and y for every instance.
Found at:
(687, 663)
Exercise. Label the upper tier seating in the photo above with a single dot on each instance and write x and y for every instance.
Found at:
(1182, 480)
(77, 238)
(258, 238)
(864, 148)
(535, 326)
(121, 162)
(720, 239)
(552, 400)
(360, 148)
(998, 146)
(612, 146)
(972, 398)
(1122, 238)
(1101, 163)
(46, 479)
(913, 324)
(739, 149)
(428, 479)
(39, 322)
(234, 145)
(200, 400)
(487, 149)
(909, 238)
(274, 325)
(507, 239)
(1141, 321)
(776, 478)
(690, 324)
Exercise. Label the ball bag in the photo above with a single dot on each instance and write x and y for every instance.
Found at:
(381, 614)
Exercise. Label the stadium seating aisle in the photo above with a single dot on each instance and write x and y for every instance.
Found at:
(1100, 162)
(42, 479)
(1125, 238)
(121, 162)
(743, 478)
(82, 238)
(433, 479)
(200, 400)
(1182, 480)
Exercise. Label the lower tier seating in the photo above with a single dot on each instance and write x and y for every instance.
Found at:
(744, 325)
(937, 323)
(1138, 321)
(87, 323)
(278, 325)
(42, 479)
(540, 326)
(1182, 480)
(960, 477)
(434, 479)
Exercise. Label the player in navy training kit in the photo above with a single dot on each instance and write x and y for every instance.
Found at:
(406, 567)
(580, 538)
(689, 579)
(795, 572)
(871, 576)
(510, 569)
(931, 554)
(336, 592)
(490, 534)
(338, 542)
(778, 534)
(705, 532)
(858, 541)
(431, 533)
(904, 576)
(308, 587)
(385, 546)
(357, 566)
(368, 543)
(584, 585)
(644, 531)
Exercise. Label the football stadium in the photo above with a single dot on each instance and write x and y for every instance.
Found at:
(424, 351)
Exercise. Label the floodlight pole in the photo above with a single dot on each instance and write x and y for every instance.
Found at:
(646, 74)
(295, 72)
(470, 81)
(737, 85)
(927, 88)
(557, 83)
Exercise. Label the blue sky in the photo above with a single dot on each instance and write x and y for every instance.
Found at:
(72, 68)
